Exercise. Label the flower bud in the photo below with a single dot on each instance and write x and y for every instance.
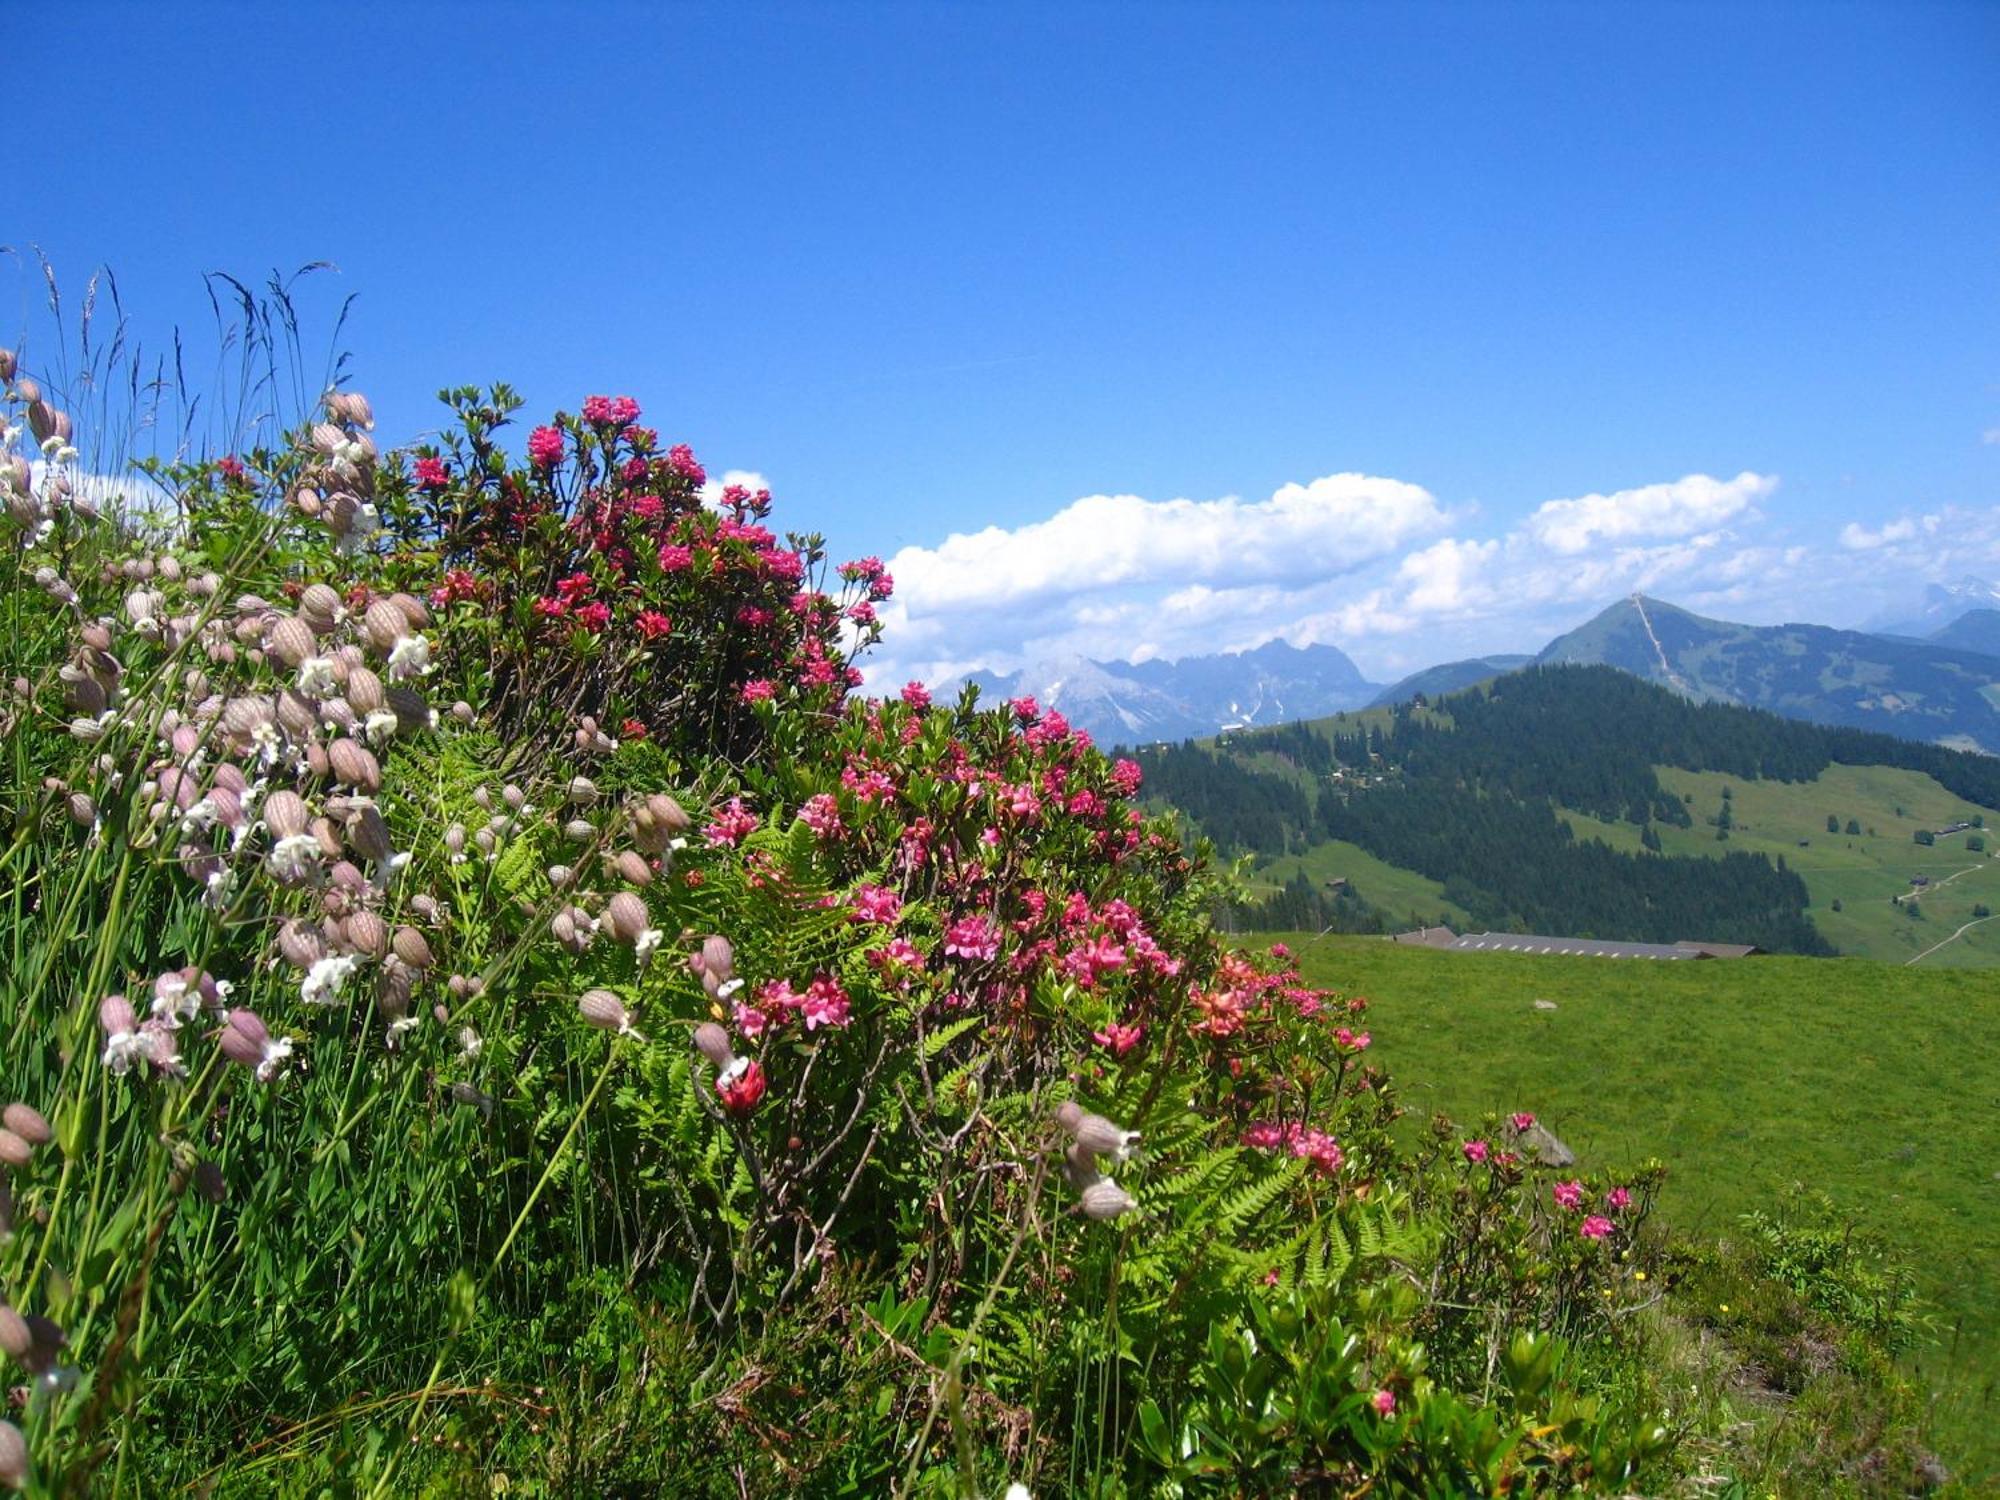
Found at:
(82, 811)
(15, 1337)
(300, 944)
(1100, 1137)
(114, 1014)
(27, 1122)
(14, 1152)
(369, 835)
(364, 690)
(632, 868)
(582, 791)
(462, 711)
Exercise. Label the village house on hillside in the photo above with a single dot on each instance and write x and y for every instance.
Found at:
(1521, 942)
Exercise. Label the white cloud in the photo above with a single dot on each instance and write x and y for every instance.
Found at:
(749, 479)
(1858, 538)
(1105, 541)
(1991, 436)
(1355, 562)
(1695, 503)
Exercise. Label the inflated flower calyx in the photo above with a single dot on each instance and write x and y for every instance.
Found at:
(14, 1467)
(367, 933)
(1096, 1134)
(605, 1011)
(1105, 1199)
(355, 765)
(290, 639)
(633, 869)
(14, 1152)
(626, 917)
(384, 624)
(712, 1042)
(412, 948)
(27, 1123)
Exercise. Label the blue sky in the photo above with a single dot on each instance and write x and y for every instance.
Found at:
(951, 269)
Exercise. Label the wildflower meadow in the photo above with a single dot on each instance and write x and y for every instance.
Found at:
(494, 1007)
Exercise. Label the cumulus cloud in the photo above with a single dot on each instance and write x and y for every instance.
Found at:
(1694, 504)
(1110, 541)
(1858, 538)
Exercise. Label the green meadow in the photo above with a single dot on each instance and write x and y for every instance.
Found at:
(1874, 1083)
(1869, 874)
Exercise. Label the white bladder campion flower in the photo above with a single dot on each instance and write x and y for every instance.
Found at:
(316, 677)
(324, 979)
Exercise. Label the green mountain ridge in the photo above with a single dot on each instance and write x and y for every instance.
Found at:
(1935, 690)
(1582, 801)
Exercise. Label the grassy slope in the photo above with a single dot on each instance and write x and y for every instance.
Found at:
(1392, 890)
(1863, 872)
(1875, 1083)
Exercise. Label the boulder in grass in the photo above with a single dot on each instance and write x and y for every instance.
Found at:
(1545, 1005)
(1542, 1144)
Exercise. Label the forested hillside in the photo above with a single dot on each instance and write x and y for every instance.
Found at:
(1468, 791)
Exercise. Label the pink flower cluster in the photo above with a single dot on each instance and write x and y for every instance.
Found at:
(1315, 1145)
(731, 826)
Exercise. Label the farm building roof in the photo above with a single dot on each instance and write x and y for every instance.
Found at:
(1523, 942)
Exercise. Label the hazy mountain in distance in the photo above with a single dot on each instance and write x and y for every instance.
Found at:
(1916, 689)
(1448, 677)
(1975, 630)
(1127, 703)
(1943, 603)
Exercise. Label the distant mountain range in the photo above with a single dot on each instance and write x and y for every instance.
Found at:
(1932, 675)
(1127, 703)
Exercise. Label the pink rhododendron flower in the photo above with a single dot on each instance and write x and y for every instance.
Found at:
(877, 903)
(545, 447)
(1384, 1402)
(1596, 1227)
(431, 474)
(652, 624)
(674, 558)
(681, 459)
(1476, 1151)
(758, 690)
(1120, 1039)
(1618, 1198)
(732, 825)
(821, 813)
(971, 937)
(916, 695)
(825, 1004)
(1568, 1195)
(594, 616)
(1522, 1121)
